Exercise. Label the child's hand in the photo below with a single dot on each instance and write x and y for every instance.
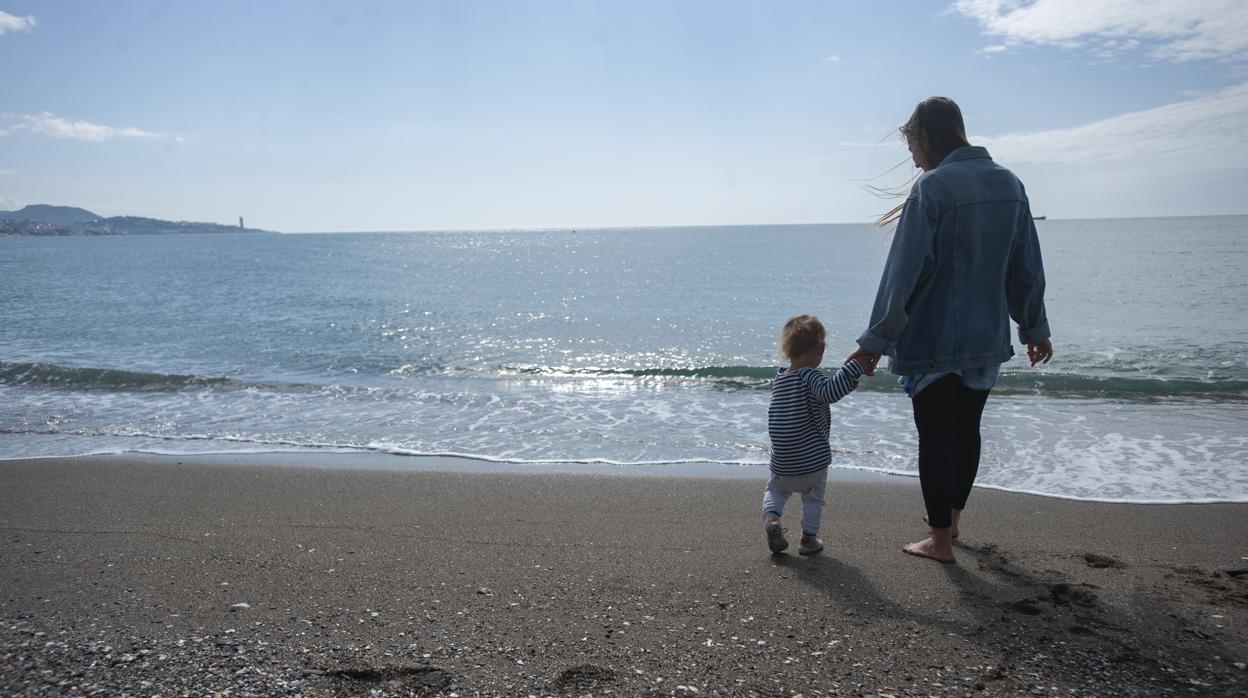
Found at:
(865, 359)
(1040, 353)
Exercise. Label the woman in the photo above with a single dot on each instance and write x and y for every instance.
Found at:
(964, 260)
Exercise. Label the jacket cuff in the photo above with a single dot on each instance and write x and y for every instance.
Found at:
(876, 345)
(1034, 335)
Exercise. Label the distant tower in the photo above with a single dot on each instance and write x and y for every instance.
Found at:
(240, 223)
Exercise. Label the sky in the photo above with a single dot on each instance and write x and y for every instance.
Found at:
(318, 117)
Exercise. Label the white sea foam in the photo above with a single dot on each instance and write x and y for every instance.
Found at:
(1103, 451)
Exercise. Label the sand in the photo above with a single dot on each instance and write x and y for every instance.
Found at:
(125, 576)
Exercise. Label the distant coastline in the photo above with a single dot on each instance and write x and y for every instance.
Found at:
(44, 220)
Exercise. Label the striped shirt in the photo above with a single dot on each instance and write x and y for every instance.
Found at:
(798, 420)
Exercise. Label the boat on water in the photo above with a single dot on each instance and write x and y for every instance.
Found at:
(1038, 218)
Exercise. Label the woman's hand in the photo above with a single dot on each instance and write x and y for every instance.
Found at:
(865, 359)
(1040, 352)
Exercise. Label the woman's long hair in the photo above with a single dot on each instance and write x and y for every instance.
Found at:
(900, 191)
(936, 127)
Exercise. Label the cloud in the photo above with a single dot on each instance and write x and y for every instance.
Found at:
(49, 124)
(5, 173)
(10, 203)
(1172, 31)
(835, 60)
(9, 23)
(1204, 133)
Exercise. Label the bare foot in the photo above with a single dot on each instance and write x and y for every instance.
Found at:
(939, 547)
(954, 530)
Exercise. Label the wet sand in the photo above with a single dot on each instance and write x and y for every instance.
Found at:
(126, 575)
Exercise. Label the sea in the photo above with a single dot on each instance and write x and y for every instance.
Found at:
(633, 349)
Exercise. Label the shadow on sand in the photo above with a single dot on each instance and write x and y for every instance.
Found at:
(1033, 624)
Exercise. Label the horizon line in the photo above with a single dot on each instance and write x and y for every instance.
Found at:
(696, 225)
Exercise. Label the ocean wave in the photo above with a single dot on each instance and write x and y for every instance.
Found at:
(46, 375)
(1038, 383)
(86, 378)
(1151, 387)
(728, 377)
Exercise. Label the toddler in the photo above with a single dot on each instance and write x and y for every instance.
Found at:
(798, 423)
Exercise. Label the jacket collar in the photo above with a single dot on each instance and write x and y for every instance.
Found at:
(967, 152)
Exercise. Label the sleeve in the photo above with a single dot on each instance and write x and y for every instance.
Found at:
(1024, 287)
(830, 389)
(911, 255)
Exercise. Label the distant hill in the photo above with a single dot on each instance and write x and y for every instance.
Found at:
(41, 219)
(56, 215)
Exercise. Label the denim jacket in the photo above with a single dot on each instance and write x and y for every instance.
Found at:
(965, 259)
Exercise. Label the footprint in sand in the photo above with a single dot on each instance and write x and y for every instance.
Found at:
(422, 677)
(584, 677)
(1066, 595)
(1101, 562)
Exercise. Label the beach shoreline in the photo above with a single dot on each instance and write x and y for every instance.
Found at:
(125, 574)
(370, 459)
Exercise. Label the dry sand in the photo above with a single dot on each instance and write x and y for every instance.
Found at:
(121, 576)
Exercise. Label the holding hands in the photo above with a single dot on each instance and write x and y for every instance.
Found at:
(865, 359)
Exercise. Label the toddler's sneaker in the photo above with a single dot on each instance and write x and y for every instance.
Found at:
(810, 545)
(775, 536)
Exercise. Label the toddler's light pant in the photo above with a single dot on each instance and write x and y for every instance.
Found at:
(810, 486)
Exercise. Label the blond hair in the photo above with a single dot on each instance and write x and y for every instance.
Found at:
(801, 334)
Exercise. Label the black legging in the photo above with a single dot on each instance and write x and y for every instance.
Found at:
(947, 414)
